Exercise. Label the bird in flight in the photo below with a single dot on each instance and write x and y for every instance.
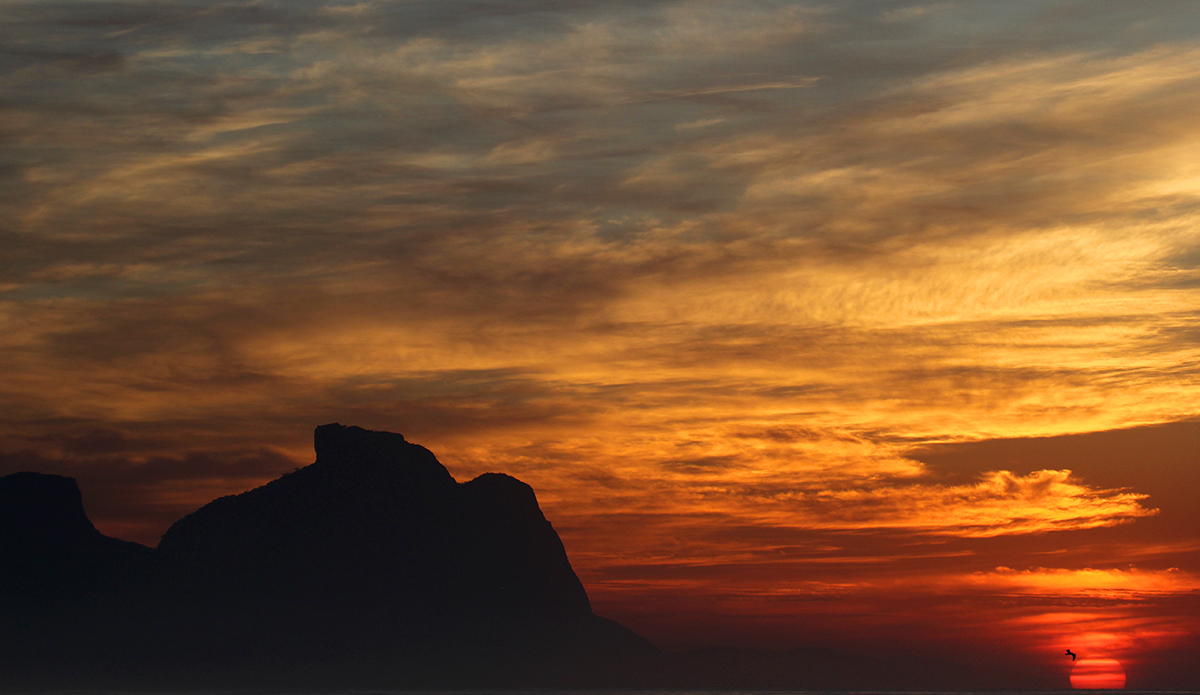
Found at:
(1071, 654)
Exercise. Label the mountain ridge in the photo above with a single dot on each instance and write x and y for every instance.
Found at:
(372, 567)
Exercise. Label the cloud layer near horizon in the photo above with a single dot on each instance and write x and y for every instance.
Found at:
(716, 266)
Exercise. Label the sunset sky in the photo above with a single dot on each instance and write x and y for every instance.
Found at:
(866, 324)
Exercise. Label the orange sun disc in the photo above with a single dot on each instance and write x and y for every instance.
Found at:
(1097, 674)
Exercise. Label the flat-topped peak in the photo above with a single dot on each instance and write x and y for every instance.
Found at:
(42, 508)
(345, 440)
(366, 454)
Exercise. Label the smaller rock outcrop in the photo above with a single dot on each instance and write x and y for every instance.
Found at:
(42, 511)
(48, 547)
(60, 580)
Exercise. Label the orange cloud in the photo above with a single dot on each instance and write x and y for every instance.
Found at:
(1001, 503)
(1130, 584)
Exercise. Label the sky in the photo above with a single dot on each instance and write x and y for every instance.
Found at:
(873, 325)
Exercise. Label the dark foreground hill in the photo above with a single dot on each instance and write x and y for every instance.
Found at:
(370, 568)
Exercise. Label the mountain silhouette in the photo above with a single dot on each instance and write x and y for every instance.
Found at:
(48, 542)
(371, 567)
(61, 581)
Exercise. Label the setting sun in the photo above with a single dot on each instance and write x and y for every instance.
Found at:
(1098, 674)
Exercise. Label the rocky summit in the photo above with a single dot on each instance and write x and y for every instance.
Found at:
(372, 567)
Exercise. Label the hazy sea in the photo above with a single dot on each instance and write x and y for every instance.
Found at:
(555, 691)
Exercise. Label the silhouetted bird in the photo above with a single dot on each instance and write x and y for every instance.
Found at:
(1071, 654)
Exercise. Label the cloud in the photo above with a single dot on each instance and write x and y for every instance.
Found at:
(1123, 585)
(1000, 503)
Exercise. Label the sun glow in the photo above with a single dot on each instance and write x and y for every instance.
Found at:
(1095, 674)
